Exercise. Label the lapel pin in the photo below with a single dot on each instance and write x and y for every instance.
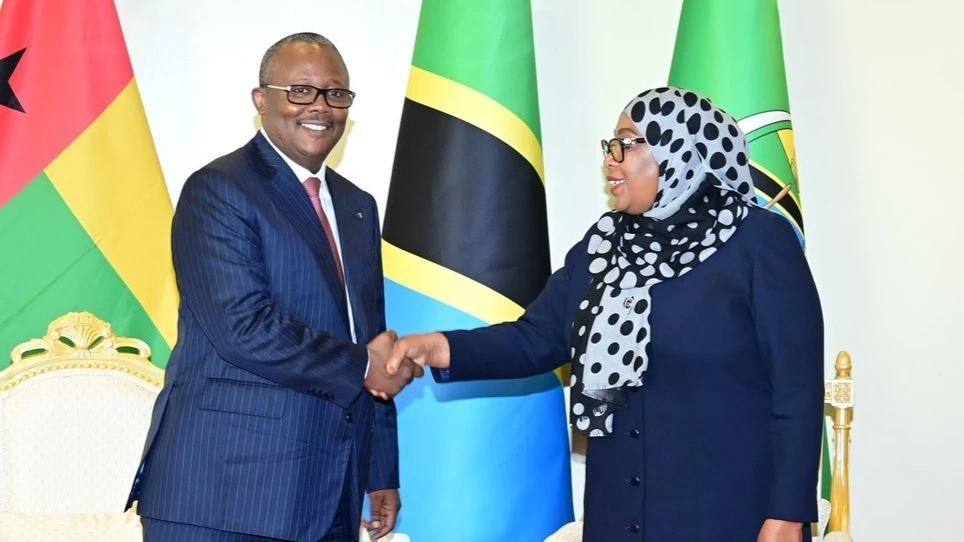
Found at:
(359, 214)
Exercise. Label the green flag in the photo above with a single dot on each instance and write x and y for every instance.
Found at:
(731, 52)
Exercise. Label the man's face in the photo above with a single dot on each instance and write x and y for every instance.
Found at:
(304, 133)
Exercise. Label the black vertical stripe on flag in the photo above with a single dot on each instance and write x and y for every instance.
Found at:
(464, 199)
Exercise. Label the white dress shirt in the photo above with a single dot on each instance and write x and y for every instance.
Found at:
(328, 205)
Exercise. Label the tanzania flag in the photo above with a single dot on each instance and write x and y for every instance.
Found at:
(85, 217)
(466, 245)
(731, 52)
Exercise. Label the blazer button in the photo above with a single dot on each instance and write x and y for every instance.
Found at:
(634, 480)
(633, 528)
(348, 417)
(634, 433)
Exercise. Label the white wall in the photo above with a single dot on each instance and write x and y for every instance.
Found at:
(875, 92)
(875, 88)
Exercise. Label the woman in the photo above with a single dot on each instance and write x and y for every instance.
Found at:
(695, 335)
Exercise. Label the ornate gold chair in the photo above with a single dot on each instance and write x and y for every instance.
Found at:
(839, 395)
(75, 407)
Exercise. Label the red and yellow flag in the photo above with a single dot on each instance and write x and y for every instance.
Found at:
(85, 216)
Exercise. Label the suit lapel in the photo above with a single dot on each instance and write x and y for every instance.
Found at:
(352, 228)
(290, 196)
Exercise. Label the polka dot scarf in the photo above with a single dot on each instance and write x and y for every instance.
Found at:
(704, 192)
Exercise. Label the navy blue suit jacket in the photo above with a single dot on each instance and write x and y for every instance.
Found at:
(726, 429)
(263, 413)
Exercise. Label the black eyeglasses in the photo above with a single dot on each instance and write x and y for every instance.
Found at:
(617, 146)
(339, 98)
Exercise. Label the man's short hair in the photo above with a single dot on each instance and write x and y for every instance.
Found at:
(310, 38)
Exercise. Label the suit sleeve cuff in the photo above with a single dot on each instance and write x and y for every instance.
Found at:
(441, 375)
(379, 487)
(801, 509)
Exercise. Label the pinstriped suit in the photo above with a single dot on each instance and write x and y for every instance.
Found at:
(263, 418)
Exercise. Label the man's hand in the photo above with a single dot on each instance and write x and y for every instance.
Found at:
(431, 349)
(381, 346)
(385, 506)
(777, 530)
(379, 381)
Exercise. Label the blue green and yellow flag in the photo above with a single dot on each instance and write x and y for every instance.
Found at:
(85, 216)
(731, 51)
(466, 245)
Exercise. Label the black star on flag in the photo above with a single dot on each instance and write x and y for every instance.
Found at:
(7, 65)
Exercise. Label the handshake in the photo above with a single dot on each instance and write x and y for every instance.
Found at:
(394, 362)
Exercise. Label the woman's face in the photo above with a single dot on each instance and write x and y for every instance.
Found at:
(634, 181)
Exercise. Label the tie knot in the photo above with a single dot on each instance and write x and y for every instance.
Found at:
(313, 186)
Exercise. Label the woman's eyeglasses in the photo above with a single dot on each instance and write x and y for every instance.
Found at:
(617, 146)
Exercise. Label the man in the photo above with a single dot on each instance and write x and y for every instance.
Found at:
(264, 429)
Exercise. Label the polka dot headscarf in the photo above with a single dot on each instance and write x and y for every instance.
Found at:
(704, 193)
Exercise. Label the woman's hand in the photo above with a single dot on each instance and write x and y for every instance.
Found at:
(777, 530)
(427, 350)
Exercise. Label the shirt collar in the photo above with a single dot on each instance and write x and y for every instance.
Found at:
(300, 172)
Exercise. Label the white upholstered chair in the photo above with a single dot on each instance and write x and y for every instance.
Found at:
(75, 407)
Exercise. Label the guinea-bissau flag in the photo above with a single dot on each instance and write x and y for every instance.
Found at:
(731, 51)
(466, 245)
(85, 216)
